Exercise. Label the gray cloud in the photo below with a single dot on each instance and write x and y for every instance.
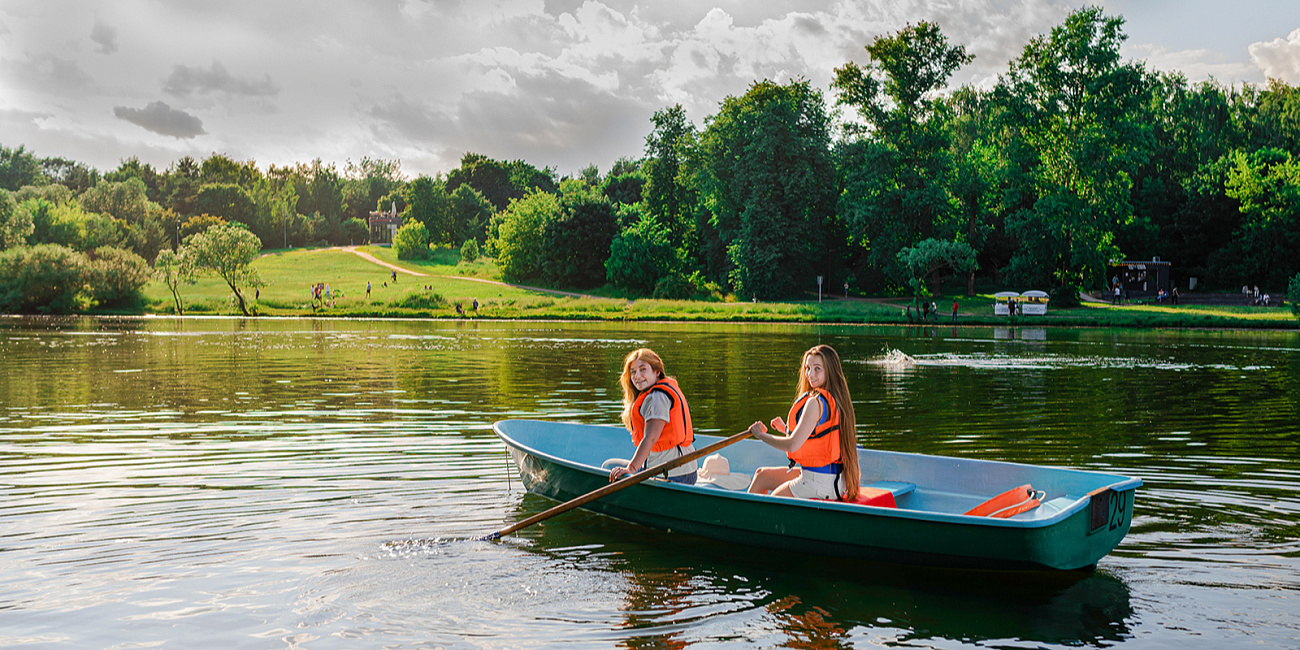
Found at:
(185, 80)
(104, 36)
(162, 119)
(48, 73)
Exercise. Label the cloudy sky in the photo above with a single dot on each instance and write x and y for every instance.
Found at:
(559, 83)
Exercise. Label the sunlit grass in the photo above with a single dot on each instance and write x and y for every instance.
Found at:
(289, 275)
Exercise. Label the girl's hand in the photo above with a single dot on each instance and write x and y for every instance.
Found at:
(757, 428)
(778, 424)
(618, 473)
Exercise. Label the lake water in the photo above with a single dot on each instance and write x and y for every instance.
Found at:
(233, 483)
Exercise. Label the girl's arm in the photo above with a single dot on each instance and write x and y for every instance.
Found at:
(653, 428)
(808, 419)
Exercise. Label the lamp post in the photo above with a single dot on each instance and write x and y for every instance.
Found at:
(178, 236)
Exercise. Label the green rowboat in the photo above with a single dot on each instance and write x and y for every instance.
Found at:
(1083, 515)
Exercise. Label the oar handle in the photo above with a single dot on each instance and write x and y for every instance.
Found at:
(626, 481)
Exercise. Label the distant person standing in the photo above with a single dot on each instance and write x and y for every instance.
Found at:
(846, 288)
(954, 310)
(394, 275)
(367, 290)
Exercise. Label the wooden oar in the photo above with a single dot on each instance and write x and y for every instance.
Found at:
(626, 481)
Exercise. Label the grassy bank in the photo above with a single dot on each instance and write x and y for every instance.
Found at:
(445, 282)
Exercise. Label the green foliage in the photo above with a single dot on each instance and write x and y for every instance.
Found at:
(227, 251)
(767, 179)
(45, 279)
(173, 269)
(469, 250)
(427, 300)
(228, 201)
(18, 167)
(15, 224)
(1293, 295)
(575, 240)
(125, 201)
(519, 242)
(428, 203)
(676, 286)
(1263, 247)
(197, 224)
(470, 214)
(411, 241)
(116, 276)
(931, 255)
(1074, 103)
(499, 182)
(220, 169)
(897, 176)
(640, 256)
(669, 191)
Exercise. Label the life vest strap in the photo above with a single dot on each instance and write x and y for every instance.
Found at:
(833, 468)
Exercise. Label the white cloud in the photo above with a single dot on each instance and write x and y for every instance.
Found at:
(1279, 58)
(559, 83)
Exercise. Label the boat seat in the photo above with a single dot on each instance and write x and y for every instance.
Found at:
(897, 488)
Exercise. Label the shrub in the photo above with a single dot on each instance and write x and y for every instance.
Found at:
(469, 250)
(640, 256)
(46, 278)
(421, 300)
(116, 275)
(678, 287)
(1064, 297)
(412, 241)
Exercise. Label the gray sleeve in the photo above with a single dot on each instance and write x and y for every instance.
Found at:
(656, 406)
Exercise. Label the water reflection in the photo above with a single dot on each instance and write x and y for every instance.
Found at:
(677, 585)
(204, 482)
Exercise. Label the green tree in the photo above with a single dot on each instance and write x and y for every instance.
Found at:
(411, 241)
(132, 168)
(228, 201)
(16, 225)
(897, 182)
(428, 203)
(769, 184)
(669, 190)
(470, 214)
(1073, 101)
(1293, 295)
(640, 256)
(575, 240)
(19, 167)
(228, 251)
(519, 244)
(126, 201)
(929, 256)
(77, 177)
(180, 186)
(173, 269)
(1263, 248)
(220, 169)
(497, 181)
(46, 279)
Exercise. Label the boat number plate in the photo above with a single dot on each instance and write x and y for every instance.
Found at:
(1108, 509)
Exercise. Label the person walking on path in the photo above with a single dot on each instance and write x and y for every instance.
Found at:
(954, 310)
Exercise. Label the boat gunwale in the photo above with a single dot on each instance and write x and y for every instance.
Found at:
(1122, 485)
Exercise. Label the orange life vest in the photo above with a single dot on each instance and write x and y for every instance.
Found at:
(823, 446)
(677, 431)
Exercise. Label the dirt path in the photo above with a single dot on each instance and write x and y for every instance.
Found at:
(371, 258)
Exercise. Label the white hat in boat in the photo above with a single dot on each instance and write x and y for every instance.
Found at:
(716, 470)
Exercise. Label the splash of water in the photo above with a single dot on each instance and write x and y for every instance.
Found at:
(897, 359)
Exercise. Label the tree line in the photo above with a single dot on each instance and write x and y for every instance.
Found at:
(1073, 159)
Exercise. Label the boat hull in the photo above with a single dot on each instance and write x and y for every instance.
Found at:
(1070, 539)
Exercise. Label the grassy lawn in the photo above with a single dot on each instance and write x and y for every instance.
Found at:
(289, 275)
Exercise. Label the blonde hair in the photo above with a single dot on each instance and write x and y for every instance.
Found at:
(838, 387)
(630, 393)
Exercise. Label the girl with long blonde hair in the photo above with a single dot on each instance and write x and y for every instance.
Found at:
(656, 414)
(821, 440)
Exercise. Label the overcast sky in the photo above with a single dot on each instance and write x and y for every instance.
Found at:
(557, 83)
